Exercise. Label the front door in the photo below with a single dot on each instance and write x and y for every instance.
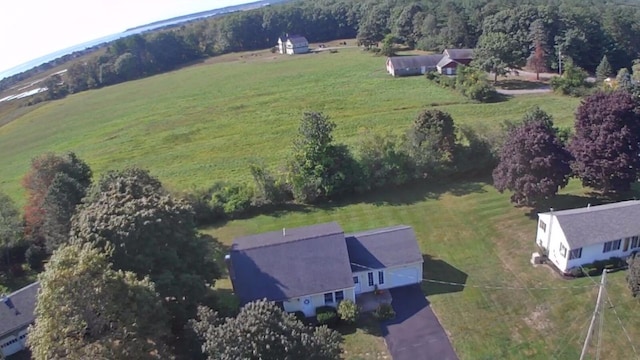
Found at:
(307, 306)
(356, 282)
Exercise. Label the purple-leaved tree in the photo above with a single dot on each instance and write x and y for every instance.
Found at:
(533, 162)
(606, 143)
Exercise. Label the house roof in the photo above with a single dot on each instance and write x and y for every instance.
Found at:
(306, 260)
(598, 224)
(459, 54)
(22, 314)
(295, 39)
(401, 62)
(445, 61)
(383, 248)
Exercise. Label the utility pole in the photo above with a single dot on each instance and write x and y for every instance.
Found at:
(559, 61)
(603, 282)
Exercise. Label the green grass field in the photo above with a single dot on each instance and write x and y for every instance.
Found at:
(471, 234)
(204, 123)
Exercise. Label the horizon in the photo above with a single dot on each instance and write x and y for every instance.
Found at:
(42, 29)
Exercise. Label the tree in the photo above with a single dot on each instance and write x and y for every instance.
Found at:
(432, 138)
(633, 275)
(60, 202)
(320, 169)
(571, 82)
(538, 58)
(152, 234)
(623, 80)
(533, 162)
(606, 141)
(88, 310)
(387, 45)
(37, 181)
(263, 331)
(635, 68)
(11, 227)
(603, 70)
(495, 54)
(383, 160)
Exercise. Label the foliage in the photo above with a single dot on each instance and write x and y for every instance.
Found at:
(86, 309)
(263, 331)
(383, 160)
(387, 46)
(533, 162)
(348, 311)
(571, 82)
(604, 69)
(432, 139)
(623, 80)
(384, 312)
(495, 53)
(269, 189)
(60, 202)
(472, 83)
(230, 201)
(606, 141)
(320, 169)
(327, 317)
(152, 234)
(39, 179)
(11, 227)
(538, 58)
(35, 256)
(633, 275)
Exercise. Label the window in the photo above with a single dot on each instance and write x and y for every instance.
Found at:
(380, 277)
(328, 298)
(370, 276)
(563, 250)
(575, 254)
(542, 225)
(611, 245)
(339, 296)
(635, 242)
(356, 280)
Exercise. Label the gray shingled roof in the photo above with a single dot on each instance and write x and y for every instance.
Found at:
(599, 224)
(307, 260)
(403, 62)
(295, 39)
(445, 61)
(381, 248)
(24, 301)
(459, 54)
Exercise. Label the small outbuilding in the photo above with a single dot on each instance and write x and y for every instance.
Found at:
(446, 63)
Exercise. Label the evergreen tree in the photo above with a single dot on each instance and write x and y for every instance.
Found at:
(603, 70)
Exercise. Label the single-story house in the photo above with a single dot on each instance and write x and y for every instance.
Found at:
(571, 238)
(293, 44)
(445, 63)
(16, 314)
(307, 267)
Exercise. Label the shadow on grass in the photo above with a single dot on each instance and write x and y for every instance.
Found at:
(417, 192)
(569, 201)
(440, 270)
(515, 84)
(366, 322)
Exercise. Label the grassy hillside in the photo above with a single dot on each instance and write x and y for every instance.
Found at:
(471, 234)
(204, 123)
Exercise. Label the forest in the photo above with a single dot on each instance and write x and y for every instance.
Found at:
(581, 31)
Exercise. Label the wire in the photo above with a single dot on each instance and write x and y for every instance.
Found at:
(601, 325)
(624, 330)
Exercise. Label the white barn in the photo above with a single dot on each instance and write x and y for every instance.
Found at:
(571, 238)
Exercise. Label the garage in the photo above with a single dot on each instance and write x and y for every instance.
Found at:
(404, 276)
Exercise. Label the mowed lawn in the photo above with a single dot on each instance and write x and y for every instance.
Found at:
(207, 122)
(471, 234)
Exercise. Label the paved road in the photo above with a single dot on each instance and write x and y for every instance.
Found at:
(415, 333)
(540, 90)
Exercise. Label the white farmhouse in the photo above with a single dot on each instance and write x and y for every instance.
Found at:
(293, 44)
(571, 238)
(16, 314)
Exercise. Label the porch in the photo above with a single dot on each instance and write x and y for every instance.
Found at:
(370, 301)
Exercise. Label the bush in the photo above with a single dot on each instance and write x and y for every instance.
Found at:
(326, 315)
(199, 200)
(384, 312)
(348, 311)
(482, 92)
(230, 200)
(300, 316)
(35, 256)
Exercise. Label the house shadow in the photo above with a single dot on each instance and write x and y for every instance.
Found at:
(443, 276)
(570, 201)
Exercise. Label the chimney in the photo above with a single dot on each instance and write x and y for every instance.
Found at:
(284, 232)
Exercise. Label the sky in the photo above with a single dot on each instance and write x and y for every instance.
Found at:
(33, 28)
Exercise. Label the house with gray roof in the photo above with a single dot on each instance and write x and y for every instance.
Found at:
(293, 44)
(445, 63)
(571, 238)
(308, 267)
(16, 314)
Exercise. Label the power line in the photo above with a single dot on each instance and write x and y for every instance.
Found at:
(624, 330)
(596, 310)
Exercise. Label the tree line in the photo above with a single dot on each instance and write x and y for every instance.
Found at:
(507, 34)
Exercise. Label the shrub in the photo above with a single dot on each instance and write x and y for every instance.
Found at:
(300, 316)
(633, 275)
(384, 312)
(199, 200)
(348, 311)
(231, 200)
(35, 256)
(326, 315)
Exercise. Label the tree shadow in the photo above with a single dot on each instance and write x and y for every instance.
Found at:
(498, 98)
(440, 270)
(517, 84)
(571, 201)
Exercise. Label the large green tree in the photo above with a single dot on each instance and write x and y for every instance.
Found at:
(495, 54)
(432, 139)
(263, 331)
(88, 310)
(11, 227)
(152, 234)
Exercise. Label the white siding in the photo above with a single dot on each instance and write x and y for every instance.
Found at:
(388, 276)
(12, 344)
(317, 300)
(595, 252)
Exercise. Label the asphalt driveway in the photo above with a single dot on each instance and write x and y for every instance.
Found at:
(415, 333)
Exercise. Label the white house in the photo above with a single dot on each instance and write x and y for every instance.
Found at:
(293, 44)
(16, 314)
(308, 267)
(571, 238)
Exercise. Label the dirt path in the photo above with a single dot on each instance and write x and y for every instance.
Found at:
(541, 90)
